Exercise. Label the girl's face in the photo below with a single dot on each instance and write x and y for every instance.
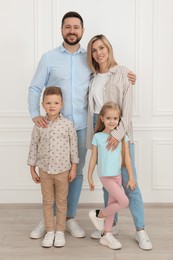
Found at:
(100, 52)
(110, 120)
(52, 104)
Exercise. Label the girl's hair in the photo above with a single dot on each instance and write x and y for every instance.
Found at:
(91, 62)
(107, 106)
(52, 91)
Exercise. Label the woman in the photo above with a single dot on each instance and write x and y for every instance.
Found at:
(110, 83)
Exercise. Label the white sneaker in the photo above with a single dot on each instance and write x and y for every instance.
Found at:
(143, 240)
(39, 231)
(48, 239)
(74, 229)
(59, 239)
(97, 222)
(97, 234)
(110, 241)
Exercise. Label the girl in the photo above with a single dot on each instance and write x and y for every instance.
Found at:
(109, 171)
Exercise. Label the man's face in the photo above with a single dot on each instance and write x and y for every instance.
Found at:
(72, 30)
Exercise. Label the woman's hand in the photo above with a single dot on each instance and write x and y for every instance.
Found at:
(112, 143)
(132, 184)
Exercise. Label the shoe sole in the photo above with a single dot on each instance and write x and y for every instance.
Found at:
(92, 217)
(47, 246)
(37, 237)
(96, 237)
(74, 235)
(146, 249)
(59, 245)
(105, 244)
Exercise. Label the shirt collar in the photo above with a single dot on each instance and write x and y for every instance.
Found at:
(111, 70)
(49, 120)
(80, 50)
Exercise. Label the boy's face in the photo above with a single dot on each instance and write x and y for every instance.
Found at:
(52, 104)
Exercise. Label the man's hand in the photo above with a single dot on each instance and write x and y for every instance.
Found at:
(40, 121)
(112, 143)
(132, 77)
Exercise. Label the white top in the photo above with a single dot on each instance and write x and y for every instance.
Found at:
(98, 90)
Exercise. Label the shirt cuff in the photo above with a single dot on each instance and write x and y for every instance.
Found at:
(74, 159)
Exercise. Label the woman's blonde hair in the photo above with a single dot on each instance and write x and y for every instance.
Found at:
(91, 62)
(107, 106)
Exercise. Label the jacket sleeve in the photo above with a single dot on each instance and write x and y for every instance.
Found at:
(126, 110)
(73, 144)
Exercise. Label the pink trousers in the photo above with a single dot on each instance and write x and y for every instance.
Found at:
(116, 201)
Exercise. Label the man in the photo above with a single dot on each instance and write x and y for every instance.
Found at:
(66, 67)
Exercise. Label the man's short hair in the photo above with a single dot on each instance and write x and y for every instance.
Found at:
(72, 14)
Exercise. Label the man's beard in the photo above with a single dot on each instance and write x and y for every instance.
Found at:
(72, 42)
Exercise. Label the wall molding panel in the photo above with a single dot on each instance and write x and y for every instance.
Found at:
(159, 47)
(160, 182)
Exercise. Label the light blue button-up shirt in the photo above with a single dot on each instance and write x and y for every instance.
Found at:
(68, 71)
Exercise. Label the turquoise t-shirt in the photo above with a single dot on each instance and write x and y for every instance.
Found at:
(109, 162)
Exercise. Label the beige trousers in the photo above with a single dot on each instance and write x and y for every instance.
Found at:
(54, 187)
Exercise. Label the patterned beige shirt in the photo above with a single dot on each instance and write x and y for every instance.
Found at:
(54, 148)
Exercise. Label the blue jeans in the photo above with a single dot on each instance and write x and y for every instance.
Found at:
(75, 186)
(135, 199)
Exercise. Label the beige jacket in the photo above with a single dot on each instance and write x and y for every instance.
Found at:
(118, 89)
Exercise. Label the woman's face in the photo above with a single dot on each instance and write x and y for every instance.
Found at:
(100, 52)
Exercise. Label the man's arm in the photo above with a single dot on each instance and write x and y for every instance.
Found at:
(34, 92)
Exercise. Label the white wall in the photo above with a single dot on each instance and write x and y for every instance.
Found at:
(141, 33)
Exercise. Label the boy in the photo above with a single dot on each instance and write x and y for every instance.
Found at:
(54, 151)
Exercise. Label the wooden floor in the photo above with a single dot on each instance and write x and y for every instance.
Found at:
(16, 222)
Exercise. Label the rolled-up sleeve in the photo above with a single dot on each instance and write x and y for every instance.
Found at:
(73, 144)
(33, 150)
